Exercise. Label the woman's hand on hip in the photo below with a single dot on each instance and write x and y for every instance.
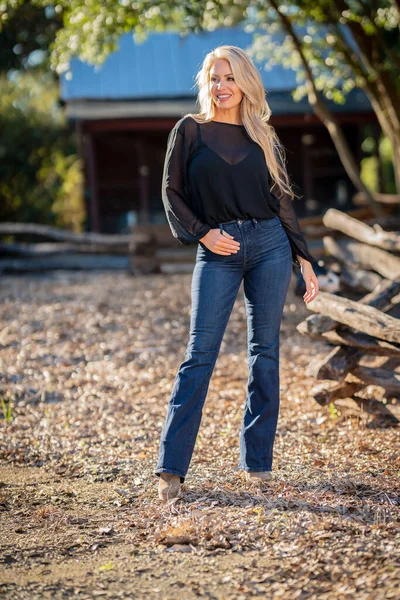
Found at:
(310, 279)
(224, 243)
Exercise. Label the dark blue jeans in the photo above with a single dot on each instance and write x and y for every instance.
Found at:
(264, 262)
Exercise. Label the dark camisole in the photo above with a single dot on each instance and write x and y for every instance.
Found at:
(214, 172)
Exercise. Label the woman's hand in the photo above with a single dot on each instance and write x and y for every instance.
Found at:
(224, 243)
(310, 279)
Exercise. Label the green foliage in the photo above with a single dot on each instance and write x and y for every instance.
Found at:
(333, 412)
(345, 43)
(107, 567)
(6, 407)
(40, 174)
(386, 153)
(340, 45)
(369, 173)
(374, 154)
(91, 28)
(26, 32)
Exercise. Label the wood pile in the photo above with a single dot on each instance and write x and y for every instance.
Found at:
(62, 249)
(361, 373)
(145, 249)
(162, 251)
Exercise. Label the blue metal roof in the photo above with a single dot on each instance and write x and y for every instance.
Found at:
(164, 66)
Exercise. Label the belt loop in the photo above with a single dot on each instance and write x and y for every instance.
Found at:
(221, 228)
(254, 221)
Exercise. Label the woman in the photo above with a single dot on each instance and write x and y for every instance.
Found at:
(216, 191)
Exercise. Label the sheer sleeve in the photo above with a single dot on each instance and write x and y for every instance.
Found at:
(184, 224)
(290, 223)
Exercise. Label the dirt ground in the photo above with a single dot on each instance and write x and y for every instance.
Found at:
(87, 363)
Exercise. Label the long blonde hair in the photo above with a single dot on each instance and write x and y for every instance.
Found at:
(254, 109)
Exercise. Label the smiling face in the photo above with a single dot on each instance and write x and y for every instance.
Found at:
(223, 88)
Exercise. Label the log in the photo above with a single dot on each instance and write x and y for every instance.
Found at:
(347, 337)
(326, 392)
(335, 365)
(163, 260)
(366, 319)
(359, 279)
(382, 198)
(63, 235)
(316, 325)
(43, 250)
(70, 262)
(391, 221)
(344, 395)
(363, 327)
(358, 254)
(389, 380)
(177, 255)
(391, 363)
(137, 264)
(369, 406)
(160, 233)
(317, 231)
(380, 298)
(354, 228)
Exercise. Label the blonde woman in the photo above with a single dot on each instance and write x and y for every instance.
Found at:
(219, 167)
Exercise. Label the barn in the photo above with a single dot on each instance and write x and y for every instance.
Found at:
(124, 110)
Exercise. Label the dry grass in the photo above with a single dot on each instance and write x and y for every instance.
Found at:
(88, 362)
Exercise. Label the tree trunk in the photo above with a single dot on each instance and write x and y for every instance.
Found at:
(326, 116)
(378, 84)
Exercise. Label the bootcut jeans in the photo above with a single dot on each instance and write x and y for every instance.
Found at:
(264, 262)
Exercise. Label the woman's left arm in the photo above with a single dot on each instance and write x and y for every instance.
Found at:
(310, 279)
(301, 257)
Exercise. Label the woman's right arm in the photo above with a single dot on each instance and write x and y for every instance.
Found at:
(186, 227)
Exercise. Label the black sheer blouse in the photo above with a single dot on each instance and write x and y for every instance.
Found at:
(214, 172)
